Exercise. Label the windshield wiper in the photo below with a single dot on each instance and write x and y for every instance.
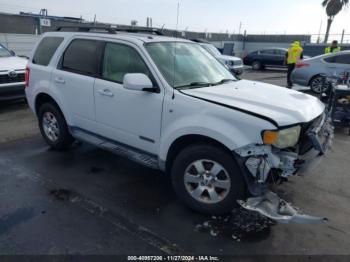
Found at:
(194, 85)
(223, 81)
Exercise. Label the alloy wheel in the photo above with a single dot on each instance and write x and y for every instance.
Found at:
(50, 126)
(207, 181)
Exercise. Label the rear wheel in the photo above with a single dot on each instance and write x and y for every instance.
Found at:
(257, 65)
(53, 127)
(207, 179)
(318, 85)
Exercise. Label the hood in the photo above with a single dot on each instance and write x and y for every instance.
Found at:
(228, 58)
(284, 106)
(12, 63)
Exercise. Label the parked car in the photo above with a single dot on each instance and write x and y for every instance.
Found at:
(12, 70)
(234, 64)
(260, 59)
(311, 72)
(169, 105)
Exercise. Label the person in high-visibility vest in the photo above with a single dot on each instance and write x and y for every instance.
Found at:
(333, 48)
(294, 54)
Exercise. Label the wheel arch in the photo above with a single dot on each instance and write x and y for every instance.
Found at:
(43, 98)
(182, 142)
(313, 77)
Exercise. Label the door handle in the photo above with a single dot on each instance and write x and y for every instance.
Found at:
(60, 80)
(105, 92)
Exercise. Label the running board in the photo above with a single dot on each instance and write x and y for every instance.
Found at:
(271, 206)
(117, 148)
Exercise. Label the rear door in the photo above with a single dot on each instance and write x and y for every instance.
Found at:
(126, 116)
(268, 57)
(75, 78)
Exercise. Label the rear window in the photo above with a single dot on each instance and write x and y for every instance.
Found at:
(83, 57)
(46, 49)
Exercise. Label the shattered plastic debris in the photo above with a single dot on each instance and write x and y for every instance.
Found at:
(270, 205)
(240, 225)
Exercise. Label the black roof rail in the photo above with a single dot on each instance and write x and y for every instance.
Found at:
(198, 40)
(109, 30)
(87, 29)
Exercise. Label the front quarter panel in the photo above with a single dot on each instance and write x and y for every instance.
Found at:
(185, 115)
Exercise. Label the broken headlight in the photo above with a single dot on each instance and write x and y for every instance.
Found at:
(283, 138)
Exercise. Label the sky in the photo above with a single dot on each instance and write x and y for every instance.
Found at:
(255, 16)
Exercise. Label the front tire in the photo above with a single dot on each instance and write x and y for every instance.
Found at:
(53, 127)
(207, 179)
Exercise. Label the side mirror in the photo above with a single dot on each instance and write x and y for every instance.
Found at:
(12, 53)
(138, 82)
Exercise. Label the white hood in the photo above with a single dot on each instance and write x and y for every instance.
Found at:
(284, 106)
(12, 63)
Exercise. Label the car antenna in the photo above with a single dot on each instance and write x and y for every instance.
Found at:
(177, 24)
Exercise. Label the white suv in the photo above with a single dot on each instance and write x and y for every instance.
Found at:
(168, 104)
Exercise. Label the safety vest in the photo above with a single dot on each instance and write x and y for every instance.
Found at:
(294, 54)
(328, 50)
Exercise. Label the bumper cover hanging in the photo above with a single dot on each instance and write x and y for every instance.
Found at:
(271, 206)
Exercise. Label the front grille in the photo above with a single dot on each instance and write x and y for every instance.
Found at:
(6, 79)
(236, 63)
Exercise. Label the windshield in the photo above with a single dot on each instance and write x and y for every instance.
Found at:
(4, 52)
(187, 65)
(211, 49)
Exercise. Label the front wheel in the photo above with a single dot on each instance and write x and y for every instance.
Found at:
(207, 179)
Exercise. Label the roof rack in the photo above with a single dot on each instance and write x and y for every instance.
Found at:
(109, 30)
(198, 40)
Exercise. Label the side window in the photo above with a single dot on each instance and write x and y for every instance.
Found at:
(83, 57)
(342, 59)
(46, 49)
(120, 60)
(330, 59)
(280, 52)
(268, 52)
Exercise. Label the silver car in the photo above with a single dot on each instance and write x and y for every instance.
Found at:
(310, 72)
(234, 64)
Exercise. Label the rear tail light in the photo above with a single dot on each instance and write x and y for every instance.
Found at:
(26, 77)
(300, 65)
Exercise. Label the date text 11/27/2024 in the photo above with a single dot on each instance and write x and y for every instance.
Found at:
(173, 258)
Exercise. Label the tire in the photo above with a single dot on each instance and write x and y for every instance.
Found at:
(194, 191)
(257, 65)
(317, 85)
(53, 127)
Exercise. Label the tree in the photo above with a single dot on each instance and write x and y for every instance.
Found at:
(333, 7)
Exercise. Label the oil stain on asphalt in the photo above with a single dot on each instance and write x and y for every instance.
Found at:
(241, 226)
(61, 194)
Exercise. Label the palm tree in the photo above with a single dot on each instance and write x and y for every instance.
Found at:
(333, 7)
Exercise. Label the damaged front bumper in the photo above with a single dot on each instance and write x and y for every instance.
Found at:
(262, 164)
